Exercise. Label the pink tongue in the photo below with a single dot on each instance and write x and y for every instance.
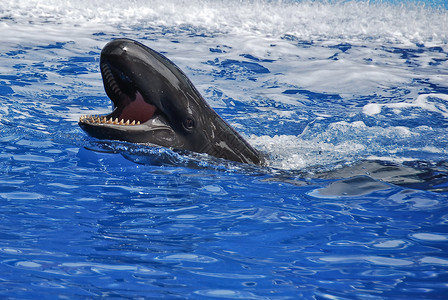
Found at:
(138, 110)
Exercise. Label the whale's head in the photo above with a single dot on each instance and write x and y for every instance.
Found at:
(154, 102)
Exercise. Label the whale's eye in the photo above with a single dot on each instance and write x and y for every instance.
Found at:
(188, 123)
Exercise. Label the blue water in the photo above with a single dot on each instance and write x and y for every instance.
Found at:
(348, 101)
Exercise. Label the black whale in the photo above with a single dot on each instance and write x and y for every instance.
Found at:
(154, 102)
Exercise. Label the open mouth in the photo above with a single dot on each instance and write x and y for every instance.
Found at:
(129, 105)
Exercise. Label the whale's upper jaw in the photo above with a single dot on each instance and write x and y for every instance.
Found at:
(130, 107)
(134, 117)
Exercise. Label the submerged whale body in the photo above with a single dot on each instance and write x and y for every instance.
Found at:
(154, 102)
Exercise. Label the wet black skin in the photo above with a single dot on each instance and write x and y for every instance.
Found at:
(146, 87)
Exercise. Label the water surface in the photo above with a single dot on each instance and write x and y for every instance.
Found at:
(348, 100)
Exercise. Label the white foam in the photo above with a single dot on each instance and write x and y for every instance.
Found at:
(295, 153)
(342, 142)
(423, 101)
(265, 29)
(323, 20)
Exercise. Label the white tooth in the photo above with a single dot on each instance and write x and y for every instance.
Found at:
(133, 122)
(138, 122)
(109, 121)
(116, 121)
(121, 122)
(127, 122)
